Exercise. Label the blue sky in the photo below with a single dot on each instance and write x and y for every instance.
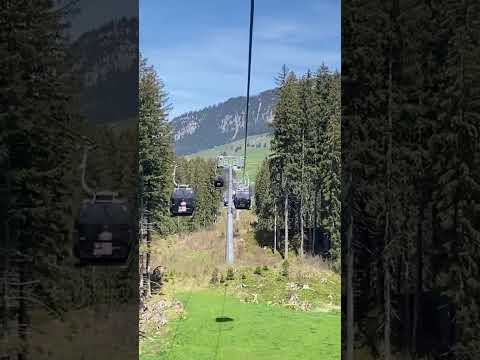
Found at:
(200, 48)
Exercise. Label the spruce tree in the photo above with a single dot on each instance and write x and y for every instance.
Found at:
(155, 143)
(284, 144)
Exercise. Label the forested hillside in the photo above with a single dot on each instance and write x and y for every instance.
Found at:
(223, 123)
(299, 184)
(258, 149)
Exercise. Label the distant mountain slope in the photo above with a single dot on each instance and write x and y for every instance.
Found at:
(223, 123)
(106, 66)
(258, 148)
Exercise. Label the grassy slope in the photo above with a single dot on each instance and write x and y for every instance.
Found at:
(256, 332)
(255, 155)
(256, 300)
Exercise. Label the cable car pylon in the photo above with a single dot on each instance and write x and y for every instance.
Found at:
(231, 163)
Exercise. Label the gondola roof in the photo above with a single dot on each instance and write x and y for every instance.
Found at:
(104, 213)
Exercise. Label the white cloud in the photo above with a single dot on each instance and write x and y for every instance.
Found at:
(213, 67)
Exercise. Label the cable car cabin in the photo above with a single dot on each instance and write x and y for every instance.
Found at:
(219, 181)
(242, 199)
(182, 201)
(103, 234)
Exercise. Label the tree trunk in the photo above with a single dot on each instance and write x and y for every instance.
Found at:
(387, 309)
(387, 199)
(141, 272)
(286, 226)
(350, 309)
(300, 250)
(147, 265)
(274, 228)
(407, 307)
(314, 237)
(419, 278)
(5, 283)
(23, 318)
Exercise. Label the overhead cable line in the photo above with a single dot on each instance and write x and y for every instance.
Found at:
(252, 6)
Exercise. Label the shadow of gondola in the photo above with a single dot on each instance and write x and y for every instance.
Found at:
(223, 319)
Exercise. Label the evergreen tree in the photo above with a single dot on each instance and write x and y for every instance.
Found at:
(155, 143)
(37, 153)
(305, 161)
(284, 143)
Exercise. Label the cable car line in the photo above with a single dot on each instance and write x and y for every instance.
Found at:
(252, 6)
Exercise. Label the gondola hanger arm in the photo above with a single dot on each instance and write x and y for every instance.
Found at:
(174, 171)
(83, 166)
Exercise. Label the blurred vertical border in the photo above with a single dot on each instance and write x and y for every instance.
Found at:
(410, 148)
(69, 80)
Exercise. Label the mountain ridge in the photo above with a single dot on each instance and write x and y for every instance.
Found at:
(223, 122)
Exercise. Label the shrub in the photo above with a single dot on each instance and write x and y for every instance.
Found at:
(336, 266)
(285, 268)
(258, 271)
(214, 279)
(265, 268)
(230, 274)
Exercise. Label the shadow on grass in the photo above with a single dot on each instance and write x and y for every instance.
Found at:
(223, 319)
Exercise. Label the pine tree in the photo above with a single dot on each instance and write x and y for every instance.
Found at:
(155, 143)
(284, 144)
(37, 150)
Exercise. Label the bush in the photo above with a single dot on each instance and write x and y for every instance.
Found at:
(214, 279)
(265, 268)
(222, 279)
(244, 277)
(230, 274)
(257, 271)
(285, 267)
(336, 266)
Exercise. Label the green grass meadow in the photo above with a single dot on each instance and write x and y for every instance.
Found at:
(251, 331)
(258, 150)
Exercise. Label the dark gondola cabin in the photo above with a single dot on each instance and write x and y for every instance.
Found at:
(219, 181)
(103, 233)
(182, 201)
(242, 199)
